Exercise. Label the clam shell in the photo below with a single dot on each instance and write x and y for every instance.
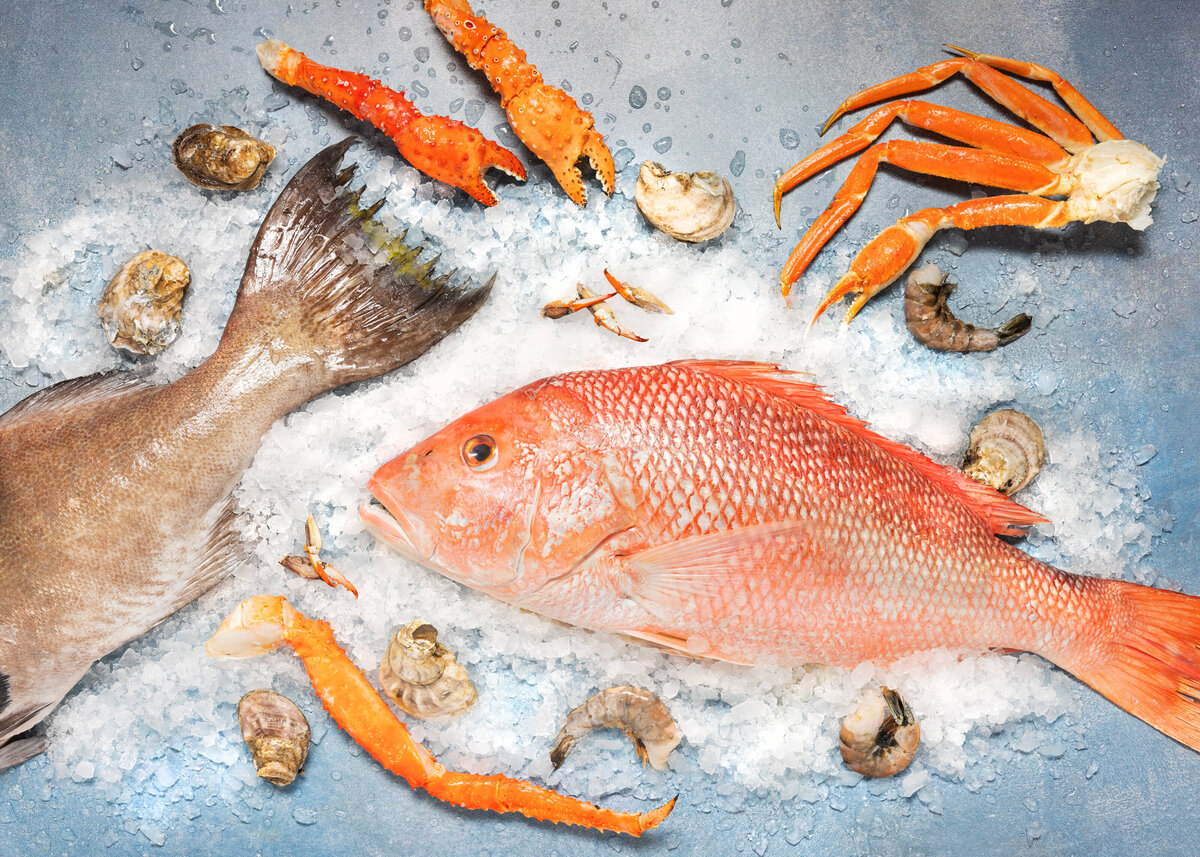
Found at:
(689, 207)
(422, 676)
(1007, 450)
(277, 733)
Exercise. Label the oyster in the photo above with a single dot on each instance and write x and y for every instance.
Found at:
(141, 307)
(277, 732)
(689, 207)
(1007, 450)
(224, 158)
(422, 676)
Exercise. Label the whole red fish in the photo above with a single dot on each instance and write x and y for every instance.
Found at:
(729, 510)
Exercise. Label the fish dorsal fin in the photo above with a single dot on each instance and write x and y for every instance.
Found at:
(77, 392)
(1002, 515)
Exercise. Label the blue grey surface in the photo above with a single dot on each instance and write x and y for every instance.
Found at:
(728, 83)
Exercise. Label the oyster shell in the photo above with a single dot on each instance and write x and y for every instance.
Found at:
(141, 307)
(224, 158)
(1007, 450)
(277, 733)
(689, 207)
(422, 676)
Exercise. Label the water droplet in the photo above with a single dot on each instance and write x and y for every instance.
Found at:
(664, 94)
(137, 64)
(788, 138)
(646, 128)
(735, 43)
(275, 101)
(384, 56)
(419, 88)
(474, 112)
(262, 33)
(726, 3)
(586, 98)
(455, 105)
(637, 98)
(421, 54)
(179, 87)
(405, 34)
(662, 145)
(738, 164)
(505, 136)
(328, 41)
(217, 6)
(381, 14)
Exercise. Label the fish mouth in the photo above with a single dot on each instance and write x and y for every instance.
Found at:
(393, 523)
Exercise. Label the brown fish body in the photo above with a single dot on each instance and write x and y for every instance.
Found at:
(115, 495)
(729, 510)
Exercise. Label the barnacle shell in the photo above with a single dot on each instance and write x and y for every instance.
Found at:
(881, 736)
(225, 158)
(1007, 450)
(141, 306)
(277, 733)
(421, 675)
(687, 206)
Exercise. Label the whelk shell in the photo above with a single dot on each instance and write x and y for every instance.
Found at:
(141, 307)
(1007, 450)
(689, 207)
(422, 676)
(277, 732)
(225, 158)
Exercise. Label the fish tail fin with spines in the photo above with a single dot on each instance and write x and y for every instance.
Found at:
(1151, 661)
(325, 278)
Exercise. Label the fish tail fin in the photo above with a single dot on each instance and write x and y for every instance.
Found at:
(1151, 666)
(325, 281)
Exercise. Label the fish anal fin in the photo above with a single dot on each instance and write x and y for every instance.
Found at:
(663, 578)
(1003, 516)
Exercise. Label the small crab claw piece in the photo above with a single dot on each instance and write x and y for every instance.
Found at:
(265, 622)
(603, 315)
(546, 119)
(440, 147)
(638, 296)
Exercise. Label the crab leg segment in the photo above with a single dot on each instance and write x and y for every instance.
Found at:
(887, 255)
(545, 118)
(264, 622)
(954, 162)
(438, 146)
(1093, 118)
(1050, 119)
(976, 131)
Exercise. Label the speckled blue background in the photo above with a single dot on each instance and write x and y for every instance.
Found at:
(749, 84)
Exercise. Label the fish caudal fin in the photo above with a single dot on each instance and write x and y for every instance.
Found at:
(328, 282)
(1153, 669)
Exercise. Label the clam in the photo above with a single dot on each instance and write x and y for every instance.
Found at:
(224, 158)
(1007, 450)
(141, 307)
(422, 676)
(689, 207)
(277, 733)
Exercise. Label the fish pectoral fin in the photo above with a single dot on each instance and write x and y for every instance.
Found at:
(224, 551)
(662, 639)
(665, 577)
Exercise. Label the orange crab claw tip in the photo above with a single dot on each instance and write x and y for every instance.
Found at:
(655, 817)
(963, 51)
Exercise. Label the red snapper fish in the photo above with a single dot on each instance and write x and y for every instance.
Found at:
(729, 510)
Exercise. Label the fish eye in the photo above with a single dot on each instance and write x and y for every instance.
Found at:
(480, 452)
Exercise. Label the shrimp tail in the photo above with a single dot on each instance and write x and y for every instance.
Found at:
(440, 147)
(264, 622)
(1148, 662)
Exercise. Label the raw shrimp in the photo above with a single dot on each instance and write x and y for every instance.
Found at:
(639, 712)
(933, 324)
(881, 736)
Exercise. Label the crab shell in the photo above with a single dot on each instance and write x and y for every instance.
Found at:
(689, 207)
(1007, 450)
(277, 733)
(422, 676)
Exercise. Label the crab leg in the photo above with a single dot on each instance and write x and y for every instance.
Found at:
(264, 622)
(1048, 118)
(967, 128)
(438, 146)
(954, 162)
(888, 254)
(1093, 118)
(547, 120)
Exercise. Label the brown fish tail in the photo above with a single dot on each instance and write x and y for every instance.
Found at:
(326, 279)
(1150, 664)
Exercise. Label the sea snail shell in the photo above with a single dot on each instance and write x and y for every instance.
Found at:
(689, 207)
(422, 676)
(225, 158)
(1007, 450)
(277, 733)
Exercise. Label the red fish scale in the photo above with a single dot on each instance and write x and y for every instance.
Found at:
(887, 562)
